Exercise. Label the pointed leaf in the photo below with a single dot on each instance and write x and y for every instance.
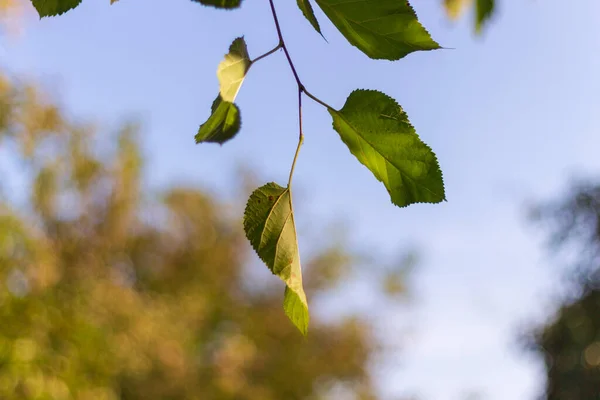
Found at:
(49, 8)
(232, 70)
(382, 29)
(269, 225)
(228, 4)
(484, 11)
(309, 14)
(378, 133)
(223, 124)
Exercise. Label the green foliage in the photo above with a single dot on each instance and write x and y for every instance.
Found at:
(49, 8)
(378, 133)
(373, 126)
(309, 13)
(484, 9)
(382, 29)
(270, 228)
(225, 121)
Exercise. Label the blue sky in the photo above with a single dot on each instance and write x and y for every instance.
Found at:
(511, 115)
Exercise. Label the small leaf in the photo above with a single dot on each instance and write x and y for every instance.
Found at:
(270, 228)
(232, 70)
(378, 133)
(223, 124)
(382, 29)
(483, 12)
(455, 8)
(309, 14)
(50, 8)
(228, 4)
(225, 121)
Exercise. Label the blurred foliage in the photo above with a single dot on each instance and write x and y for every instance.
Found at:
(483, 10)
(112, 292)
(570, 343)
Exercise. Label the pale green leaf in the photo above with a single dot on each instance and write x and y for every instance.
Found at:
(270, 228)
(49, 8)
(228, 4)
(382, 29)
(309, 14)
(223, 124)
(455, 8)
(232, 70)
(378, 133)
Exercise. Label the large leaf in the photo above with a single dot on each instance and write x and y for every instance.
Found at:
(220, 3)
(308, 12)
(382, 29)
(378, 133)
(225, 122)
(269, 225)
(49, 8)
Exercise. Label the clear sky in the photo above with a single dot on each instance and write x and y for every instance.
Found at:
(511, 115)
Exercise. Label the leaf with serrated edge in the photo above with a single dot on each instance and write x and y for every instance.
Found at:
(223, 124)
(228, 4)
(232, 70)
(382, 29)
(270, 228)
(378, 133)
(50, 8)
(309, 14)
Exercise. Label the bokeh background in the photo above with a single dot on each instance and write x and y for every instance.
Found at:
(125, 272)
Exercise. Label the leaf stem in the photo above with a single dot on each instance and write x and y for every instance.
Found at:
(282, 44)
(268, 53)
(300, 139)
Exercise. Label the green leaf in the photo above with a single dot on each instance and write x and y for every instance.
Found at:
(223, 124)
(232, 70)
(483, 12)
(49, 8)
(270, 228)
(309, 14)
(455, 8)
(378, 133)
(228, 4)
(225, 121)
(382, 29)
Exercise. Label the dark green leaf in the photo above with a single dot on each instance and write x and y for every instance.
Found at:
(220, 3)
(483, 12)
(223, 124)
(378, 133)
(49, 8)
(382, 29)
(270, 228)
(308, 12)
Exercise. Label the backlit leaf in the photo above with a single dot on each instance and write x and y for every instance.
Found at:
(232, 70)
(49, 8)
(270, 228)
(382, 29)
(378, 133)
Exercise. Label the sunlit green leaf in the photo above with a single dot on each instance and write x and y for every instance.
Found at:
(378, 133)
(308, 12)
(232, 70)
(270, 227)
(49, 8)
(382, 29)
(220, 3)
(455, 8)
(223, 124)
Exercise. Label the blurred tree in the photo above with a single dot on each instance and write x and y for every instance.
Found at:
(110, 292)
(570, 343)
